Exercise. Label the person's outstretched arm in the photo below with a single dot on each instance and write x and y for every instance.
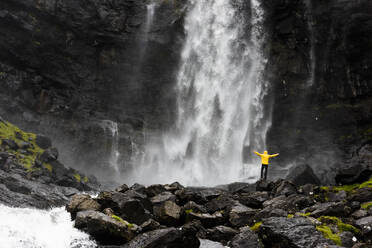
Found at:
(258, 154)
(274, 155)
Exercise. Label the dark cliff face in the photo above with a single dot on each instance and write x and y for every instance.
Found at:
(67, 65)
(319, 67)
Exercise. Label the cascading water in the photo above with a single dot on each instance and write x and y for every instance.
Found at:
(220, 100)
(112, 130)
(32, 228)
(310, 24)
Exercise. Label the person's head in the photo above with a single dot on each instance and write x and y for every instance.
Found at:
(265, 152)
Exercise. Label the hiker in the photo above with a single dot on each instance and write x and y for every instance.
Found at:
(265, 162)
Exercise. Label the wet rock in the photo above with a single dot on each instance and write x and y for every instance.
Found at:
(241, 215)
(365, 225)
(263, 185)
(174, 187)
(336, 197)
(81, 203)
(359, 214)
(149, 225)
(280, 202)
(246, 238)
(43, 141)
(163, 197)
(361, 195)
(353, 174)
(122, 188)
(211, 193)
(194, 207)
(133, 206)
(285, 232)
(167, 213)
(221, 234)
(222, 202)
(347, 239)
(154, 190)
(51, 154)
(9, 143)
(208, 220)
(284, 188)
(188, 194)
(170, 237)
(103, 228)
(302, 174)
(253, 200)
(270, 212)
(138, 188)
(329, 209)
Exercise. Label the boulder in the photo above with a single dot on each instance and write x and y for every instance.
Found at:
(302, 174)
(43, 142)
(81, 203)
(194, 207)
(190, 194)
(359, 214)
(253, 200)
(282, 232)
(280, 202)
(329, 209)
(173, 187)
(208, 220)
(163, 197)
(169, 237)
(246, 238)
(223, 202)
(154, 190)
(167, 213)
(270, 212)
(133, 206)
(347, 239)
(149, 225)
(9, 143)
(105, 229)
(221, 234)
(264, 185)
(283, 187)
(354, 174)
(122, 188)
(138, 188)
(338, 196)
(241, 215)
(361, 195)
(365, 225)
(50, 154)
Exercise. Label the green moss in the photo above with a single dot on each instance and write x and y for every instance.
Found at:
(117, 218)
(188, 211)
(339, 106)
(342, 227)
(85, 179)
(290, 216)
(11, 132)
(256, 226)
(304, 214)
(366, 205)
(328, 234)
(77, 177)
(48, 166)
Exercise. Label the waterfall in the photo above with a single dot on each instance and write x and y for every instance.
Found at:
(220, 92)
(310, 24)
(32, 228)
(111, 129)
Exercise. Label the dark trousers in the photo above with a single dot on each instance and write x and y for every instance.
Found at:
(264, 167)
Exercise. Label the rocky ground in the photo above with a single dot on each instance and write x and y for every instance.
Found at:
(30, 173)
(266, 214)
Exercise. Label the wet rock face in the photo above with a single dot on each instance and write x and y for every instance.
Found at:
(87, 62)
(321, 88)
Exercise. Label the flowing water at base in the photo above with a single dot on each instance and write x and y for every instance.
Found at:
(33, 228)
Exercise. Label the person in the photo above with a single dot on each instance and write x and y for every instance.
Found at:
(265, 162)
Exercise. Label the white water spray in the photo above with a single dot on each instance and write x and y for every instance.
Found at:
(112, 130)
(220, 100)
(32, 228)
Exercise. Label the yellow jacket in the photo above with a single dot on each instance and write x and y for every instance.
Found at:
(265, 157)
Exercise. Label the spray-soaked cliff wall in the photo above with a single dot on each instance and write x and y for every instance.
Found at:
(66, 66)
(320, 69)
